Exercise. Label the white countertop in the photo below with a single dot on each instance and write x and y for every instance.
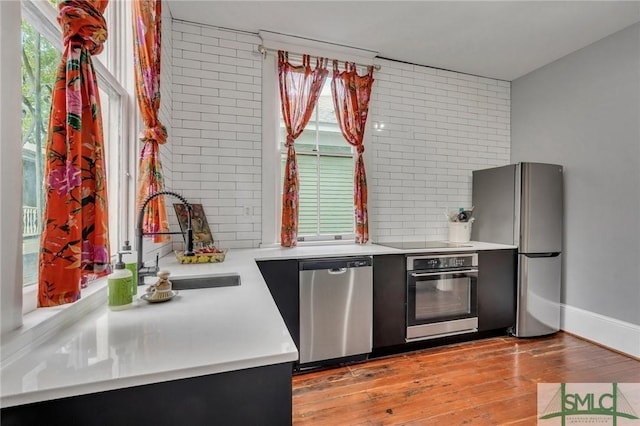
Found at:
(360, 250)
(197, 333)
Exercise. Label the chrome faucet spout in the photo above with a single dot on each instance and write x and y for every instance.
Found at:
(146, 271)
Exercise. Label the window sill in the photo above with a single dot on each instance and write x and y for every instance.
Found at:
(41, 324)
(314, 243)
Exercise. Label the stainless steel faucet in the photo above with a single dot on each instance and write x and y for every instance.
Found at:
(152, 270)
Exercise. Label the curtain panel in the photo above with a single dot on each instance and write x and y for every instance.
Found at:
(74, 244)
(300, 87)
(351, 93)
(146, 53)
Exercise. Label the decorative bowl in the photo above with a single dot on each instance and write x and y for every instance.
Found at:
(159, 296)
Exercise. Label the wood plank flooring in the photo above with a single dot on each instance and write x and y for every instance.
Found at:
(486, 382)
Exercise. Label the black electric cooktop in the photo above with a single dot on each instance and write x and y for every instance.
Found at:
(412, 245)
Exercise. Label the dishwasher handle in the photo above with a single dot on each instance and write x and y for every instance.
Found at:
(334, 264)
(337, 271)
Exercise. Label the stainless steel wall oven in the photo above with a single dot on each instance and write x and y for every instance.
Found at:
(442, 295)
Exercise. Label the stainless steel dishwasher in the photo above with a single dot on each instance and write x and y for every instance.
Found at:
(336, 308)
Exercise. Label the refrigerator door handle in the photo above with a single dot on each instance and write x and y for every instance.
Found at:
(535, 255)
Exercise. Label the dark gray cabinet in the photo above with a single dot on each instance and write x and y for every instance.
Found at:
(255, 396)
(389, 300)
(496, 294)
(496, 289)
(282, 279)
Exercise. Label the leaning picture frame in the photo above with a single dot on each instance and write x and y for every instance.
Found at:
(201, 233)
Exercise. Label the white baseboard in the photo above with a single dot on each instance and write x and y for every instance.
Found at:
(610, 332)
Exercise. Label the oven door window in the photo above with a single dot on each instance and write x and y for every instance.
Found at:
(441, 297)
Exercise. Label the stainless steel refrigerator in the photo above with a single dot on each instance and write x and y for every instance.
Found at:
(522, 204)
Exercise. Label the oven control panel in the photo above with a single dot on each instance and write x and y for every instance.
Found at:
(442, 262)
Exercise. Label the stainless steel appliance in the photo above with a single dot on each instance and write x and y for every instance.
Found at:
(336, 308)
(442, 295)
(522, 205)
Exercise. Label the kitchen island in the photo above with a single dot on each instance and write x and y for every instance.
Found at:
(211, 338)
(162, 362)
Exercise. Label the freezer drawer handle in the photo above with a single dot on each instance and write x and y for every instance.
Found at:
(537, 255)
(337, 271)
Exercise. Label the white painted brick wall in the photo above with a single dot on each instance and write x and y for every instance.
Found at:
(216, 129)
(166, 96)
(439, 126)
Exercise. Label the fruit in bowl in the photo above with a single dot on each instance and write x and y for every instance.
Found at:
(207, 250)
(209, 254)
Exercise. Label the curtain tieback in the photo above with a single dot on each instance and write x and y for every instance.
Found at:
(157, 133)
(360, 149)
(290, 141)
(82, 22)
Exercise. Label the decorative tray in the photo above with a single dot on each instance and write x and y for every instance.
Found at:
(216, 256)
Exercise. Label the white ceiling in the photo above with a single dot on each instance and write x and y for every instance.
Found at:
(502, 39)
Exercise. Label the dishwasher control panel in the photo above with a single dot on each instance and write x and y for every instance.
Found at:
(334, 263)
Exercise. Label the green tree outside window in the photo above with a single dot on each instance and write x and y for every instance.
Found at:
(40, 60)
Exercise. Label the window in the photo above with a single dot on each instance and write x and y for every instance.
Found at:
(40, 58)
(327, 152)
(325, 168)
(112, 100)
(40, 61)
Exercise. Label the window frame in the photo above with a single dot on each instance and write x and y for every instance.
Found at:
(42, 15)
(318, 153)
(11, 199)
(271, 182)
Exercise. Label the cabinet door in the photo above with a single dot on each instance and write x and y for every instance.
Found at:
(496, 289)
(281, 277)
(389, 300)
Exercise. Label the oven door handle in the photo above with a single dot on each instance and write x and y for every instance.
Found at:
(431, 274)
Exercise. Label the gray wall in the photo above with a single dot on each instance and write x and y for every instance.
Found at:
(583, 111)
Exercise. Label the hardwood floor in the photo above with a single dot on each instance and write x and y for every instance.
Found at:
(486, 382)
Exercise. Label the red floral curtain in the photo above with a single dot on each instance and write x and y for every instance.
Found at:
(300, 87)
(146, 54)
(75, 239)
(351, 94)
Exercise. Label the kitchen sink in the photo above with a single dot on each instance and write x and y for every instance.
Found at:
(207, 281)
